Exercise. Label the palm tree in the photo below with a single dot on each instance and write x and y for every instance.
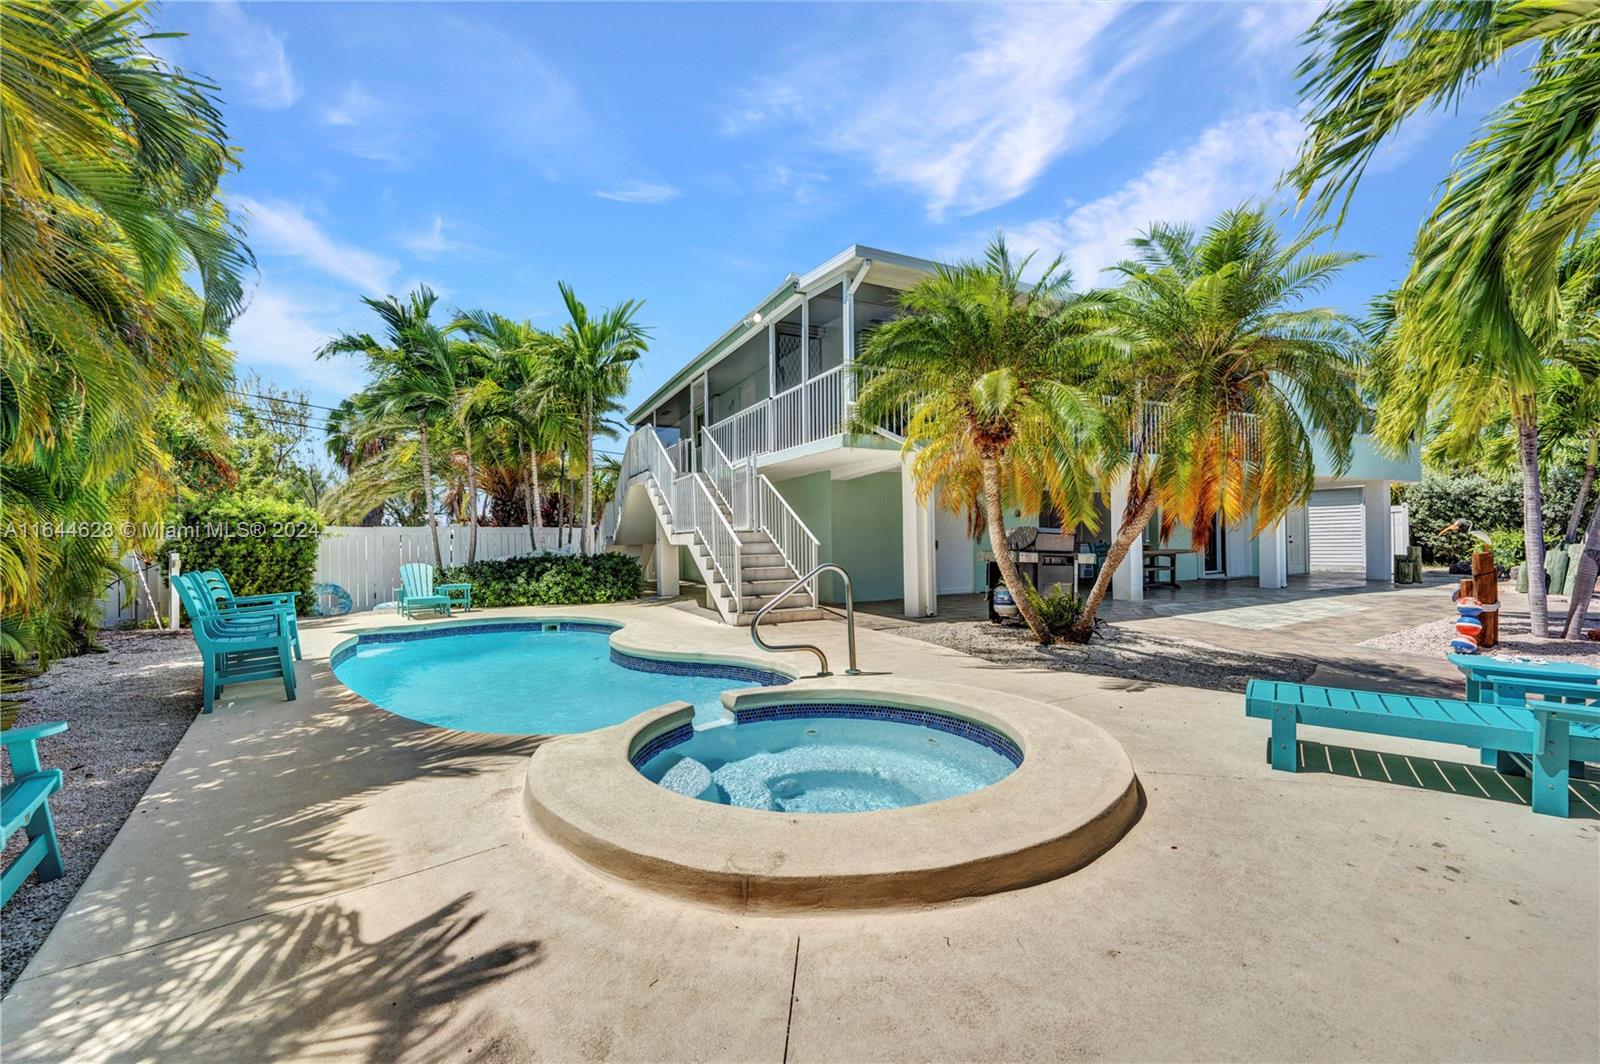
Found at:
(1483, 293)
(1241, 375)
(588, 361)
(417, 373)
(992, 370)
(109, 166)
(517, 398)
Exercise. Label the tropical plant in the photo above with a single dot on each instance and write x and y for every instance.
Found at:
(993, 371)
(1225, 380)
(518, 404)
(1482, 298)
(263, 545)
(109, 165)
(417, 379)
(588, 363)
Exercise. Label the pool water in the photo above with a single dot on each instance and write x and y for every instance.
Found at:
(826, 765)
(519, 682)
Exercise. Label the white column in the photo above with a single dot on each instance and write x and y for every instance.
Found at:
(805, 338)
(1273, 560)
(667, 562)
(1380, 531)
(918, 565)
(1127, 583)
(772, 360)
(848, 322)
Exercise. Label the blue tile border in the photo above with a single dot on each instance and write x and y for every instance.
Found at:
(923, 718)
(439, 631)
(716, 669)
(681, 734)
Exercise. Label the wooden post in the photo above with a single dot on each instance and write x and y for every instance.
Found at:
(1486, 589)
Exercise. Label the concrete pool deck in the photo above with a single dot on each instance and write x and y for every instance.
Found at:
(323, 880)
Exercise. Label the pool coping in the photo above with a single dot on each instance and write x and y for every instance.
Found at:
(1072, 798)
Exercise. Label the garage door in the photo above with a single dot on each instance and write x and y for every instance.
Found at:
(1338, 532)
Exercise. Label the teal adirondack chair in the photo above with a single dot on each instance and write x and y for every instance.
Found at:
(25, 805)
(416, 593)
(228, 603)
(236, 647)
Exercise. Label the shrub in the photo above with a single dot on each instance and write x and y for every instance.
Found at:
(1437, 501)
(549, 579)
(1058, 610)
(261, 545)
(1508, 546)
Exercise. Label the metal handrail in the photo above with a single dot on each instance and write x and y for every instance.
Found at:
(849, 620)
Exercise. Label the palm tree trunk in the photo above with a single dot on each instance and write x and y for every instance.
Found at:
(1532, 519)
(472, 501)
(1001, 549)
(155, 611)
(528, 504)
(1583, 587)
(1583, 490)
(1132, 528)
(427, 493)
(588, 479)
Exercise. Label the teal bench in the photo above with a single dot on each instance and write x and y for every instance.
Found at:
(25, 806)
(1550, 722)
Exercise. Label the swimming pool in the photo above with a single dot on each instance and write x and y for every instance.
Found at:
(822, 758)
(528, 678)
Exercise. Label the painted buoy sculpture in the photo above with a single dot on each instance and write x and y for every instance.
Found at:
(1469, 624)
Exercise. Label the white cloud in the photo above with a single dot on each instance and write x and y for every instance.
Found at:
(282, 228)
(354, 106)
(433, 240)
(280, 332)
(969, 122)
(257, 58)
(1275, 28)
(639, 192)
(1232, 162)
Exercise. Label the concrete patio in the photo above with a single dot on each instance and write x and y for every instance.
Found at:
(323, 880)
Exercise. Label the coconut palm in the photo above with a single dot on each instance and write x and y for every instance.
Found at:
(1483, 293)
(1226, 379)
(417, 374)
(988, 373)
(588, 362)
(109, 164)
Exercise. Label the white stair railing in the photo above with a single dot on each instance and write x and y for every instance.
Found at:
(693, 506)
(732, 483)
(788, 533)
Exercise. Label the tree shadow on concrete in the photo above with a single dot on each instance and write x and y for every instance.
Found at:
(303, 985)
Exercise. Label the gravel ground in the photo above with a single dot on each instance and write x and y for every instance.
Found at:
(127, 709)
(1122, 652)
(1516, 640)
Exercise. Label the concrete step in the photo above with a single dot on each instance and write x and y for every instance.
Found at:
(754, 536)
(765, 586)
(760, 559)
(780, 571)
(780, 616)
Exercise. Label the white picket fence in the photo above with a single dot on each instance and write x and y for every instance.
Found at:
(123, 601)
(366, 561)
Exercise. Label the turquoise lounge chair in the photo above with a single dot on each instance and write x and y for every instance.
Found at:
(25, 805)
(1550, 723)
(236, 648)
(228, 603)
(416, 593)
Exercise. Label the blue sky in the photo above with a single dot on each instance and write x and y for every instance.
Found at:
(692, 155)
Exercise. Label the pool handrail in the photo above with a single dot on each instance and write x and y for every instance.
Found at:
(849, 619)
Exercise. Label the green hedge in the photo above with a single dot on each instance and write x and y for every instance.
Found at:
(261, 545)
(549, 580)
(1490, 504)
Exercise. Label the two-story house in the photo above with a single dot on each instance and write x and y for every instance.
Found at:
(739, 470)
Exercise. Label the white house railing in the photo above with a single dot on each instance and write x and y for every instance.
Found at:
(744, 434)
(732, 481)
(783, 526)
(693, 506)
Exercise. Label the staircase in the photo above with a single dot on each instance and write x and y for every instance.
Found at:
(745, 540)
